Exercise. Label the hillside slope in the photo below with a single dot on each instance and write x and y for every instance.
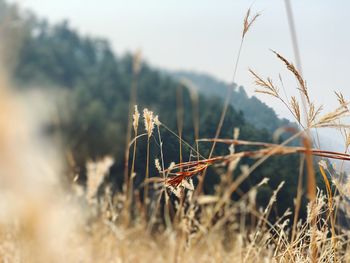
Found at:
(255, 111)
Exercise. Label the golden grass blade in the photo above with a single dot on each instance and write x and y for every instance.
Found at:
(247, 23)
(297, 75)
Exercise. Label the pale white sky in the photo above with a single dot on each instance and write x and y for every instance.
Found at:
(204, 35)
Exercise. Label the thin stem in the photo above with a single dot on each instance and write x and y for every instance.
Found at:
(298, 197)
(183, 141)
(146, 186)
(166, 209)
(132, 102)
(222, 118)
(131, 184)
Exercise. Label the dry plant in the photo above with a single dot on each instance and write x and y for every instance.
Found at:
(314, 120)
(136, 68)
(208, 228)
(247, 23)
(149, 126)
(96, 171)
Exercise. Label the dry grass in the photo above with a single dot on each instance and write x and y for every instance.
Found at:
(41, 221)
(53, 225)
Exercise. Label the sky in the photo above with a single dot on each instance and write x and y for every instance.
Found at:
(204, 36)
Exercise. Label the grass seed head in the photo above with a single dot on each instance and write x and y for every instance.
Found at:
(157, 164)
(136, 117)
(149, 121)
(297, 75)
(248, 21)
(156, 121)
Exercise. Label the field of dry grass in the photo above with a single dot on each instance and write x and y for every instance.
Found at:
(171, 220)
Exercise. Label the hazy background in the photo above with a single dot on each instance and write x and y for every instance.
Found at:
(204, 36)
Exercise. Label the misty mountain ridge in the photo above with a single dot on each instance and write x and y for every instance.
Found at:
(255, 111)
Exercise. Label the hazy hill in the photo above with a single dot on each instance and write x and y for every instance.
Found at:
(255, 111)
